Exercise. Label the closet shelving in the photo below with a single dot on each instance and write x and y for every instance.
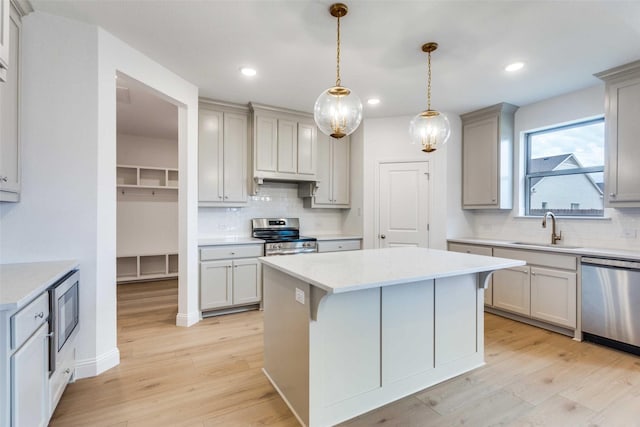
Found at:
(146, 267)
(130, 176)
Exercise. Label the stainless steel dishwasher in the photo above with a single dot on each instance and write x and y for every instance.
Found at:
(611, 303)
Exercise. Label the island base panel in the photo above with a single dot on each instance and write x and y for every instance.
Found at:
(370, 347)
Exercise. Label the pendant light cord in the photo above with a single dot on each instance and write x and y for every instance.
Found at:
(338, 56)
(429, 82)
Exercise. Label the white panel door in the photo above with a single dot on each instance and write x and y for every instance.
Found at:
(216, 288)
(403, 204)
(210, 156)
(553, 296)
(287, 146)
(235, 157)
(247, 281)
(29, 381)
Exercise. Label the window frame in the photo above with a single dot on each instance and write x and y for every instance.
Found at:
(562, 172)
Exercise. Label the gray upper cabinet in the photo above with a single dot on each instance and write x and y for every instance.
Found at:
(10, 179)
(223, 136)
(622, 110)
(487, 157)
(283, 144)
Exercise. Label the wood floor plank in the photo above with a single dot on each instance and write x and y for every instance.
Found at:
(211, 375)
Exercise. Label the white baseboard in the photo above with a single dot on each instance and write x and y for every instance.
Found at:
(188, 319)
(91, 367)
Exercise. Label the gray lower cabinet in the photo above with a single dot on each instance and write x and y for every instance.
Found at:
(230, 276)
(29, 381)
(338, 245)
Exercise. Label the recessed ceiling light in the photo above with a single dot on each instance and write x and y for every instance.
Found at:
(514, 67)
(373, 101)
(247, 71)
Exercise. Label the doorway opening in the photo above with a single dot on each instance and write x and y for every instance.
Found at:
(147, 179)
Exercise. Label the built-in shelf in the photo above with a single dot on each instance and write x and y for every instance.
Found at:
(146, 267)
(129, 176)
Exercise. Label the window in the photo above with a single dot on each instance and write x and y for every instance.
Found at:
(564, 170)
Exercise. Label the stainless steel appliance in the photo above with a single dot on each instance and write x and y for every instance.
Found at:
(64, 304)
(611, 303)
(282, 236)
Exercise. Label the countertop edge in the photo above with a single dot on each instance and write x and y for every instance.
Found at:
(63, 268)
(580, 251)
(505, 263)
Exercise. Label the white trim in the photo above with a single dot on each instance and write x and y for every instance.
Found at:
(286, 401)
(187, 319)
(95, 366)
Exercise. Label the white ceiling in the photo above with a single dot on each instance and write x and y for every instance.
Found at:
(292, 45)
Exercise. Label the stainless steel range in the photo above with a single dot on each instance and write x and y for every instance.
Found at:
(282, 236)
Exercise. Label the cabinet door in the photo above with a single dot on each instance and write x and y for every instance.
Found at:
(511, 290)
(29, 375)
(9, 112)
(624, 151)
(215, 284)
(235, 157)
(247, 281)
(287, 146)
(340, 172)
(479, 163)
(306, 149)
(323, 192)
(210, 156)
(266, 144)
(553, 296)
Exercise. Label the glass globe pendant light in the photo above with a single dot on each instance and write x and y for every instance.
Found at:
(429, 128)
(338, 111)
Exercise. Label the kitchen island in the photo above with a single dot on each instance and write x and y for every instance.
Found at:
(347, 332)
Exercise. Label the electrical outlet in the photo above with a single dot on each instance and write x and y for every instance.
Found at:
(629, 233)
(300, 296)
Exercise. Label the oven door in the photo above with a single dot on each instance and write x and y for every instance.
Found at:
(65, 315)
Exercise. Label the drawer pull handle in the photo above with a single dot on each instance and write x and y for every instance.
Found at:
(67, 371)
(40, 315)
(4, 179)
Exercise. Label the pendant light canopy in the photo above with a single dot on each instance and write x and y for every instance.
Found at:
(338, 111)
(429, 128)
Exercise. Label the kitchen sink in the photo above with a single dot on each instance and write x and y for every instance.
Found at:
(546, 245)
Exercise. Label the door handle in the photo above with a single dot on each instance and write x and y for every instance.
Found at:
(382, 236)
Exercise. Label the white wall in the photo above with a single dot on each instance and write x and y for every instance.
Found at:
(603, 233)
(68, 206)
(387, 140)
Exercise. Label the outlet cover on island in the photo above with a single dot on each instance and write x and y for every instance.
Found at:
(300, 296)
(629, 233)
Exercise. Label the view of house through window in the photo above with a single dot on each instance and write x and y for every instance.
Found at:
(565, 170)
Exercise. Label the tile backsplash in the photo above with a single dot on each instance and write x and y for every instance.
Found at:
(273, 200)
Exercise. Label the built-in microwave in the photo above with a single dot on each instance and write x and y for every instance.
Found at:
(65, 316)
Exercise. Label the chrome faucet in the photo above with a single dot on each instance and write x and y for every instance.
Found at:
(554, 237)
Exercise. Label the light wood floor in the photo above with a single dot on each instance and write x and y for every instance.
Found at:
(209, 375)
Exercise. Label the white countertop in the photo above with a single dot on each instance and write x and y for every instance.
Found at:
(579, 251)
(235, 240)
(335, 236)
(21, 283)
(337, 272)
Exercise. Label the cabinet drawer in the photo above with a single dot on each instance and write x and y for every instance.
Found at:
(546, 259)
(210, 253)
(338, 245)
(470, 249)
(25, 322)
